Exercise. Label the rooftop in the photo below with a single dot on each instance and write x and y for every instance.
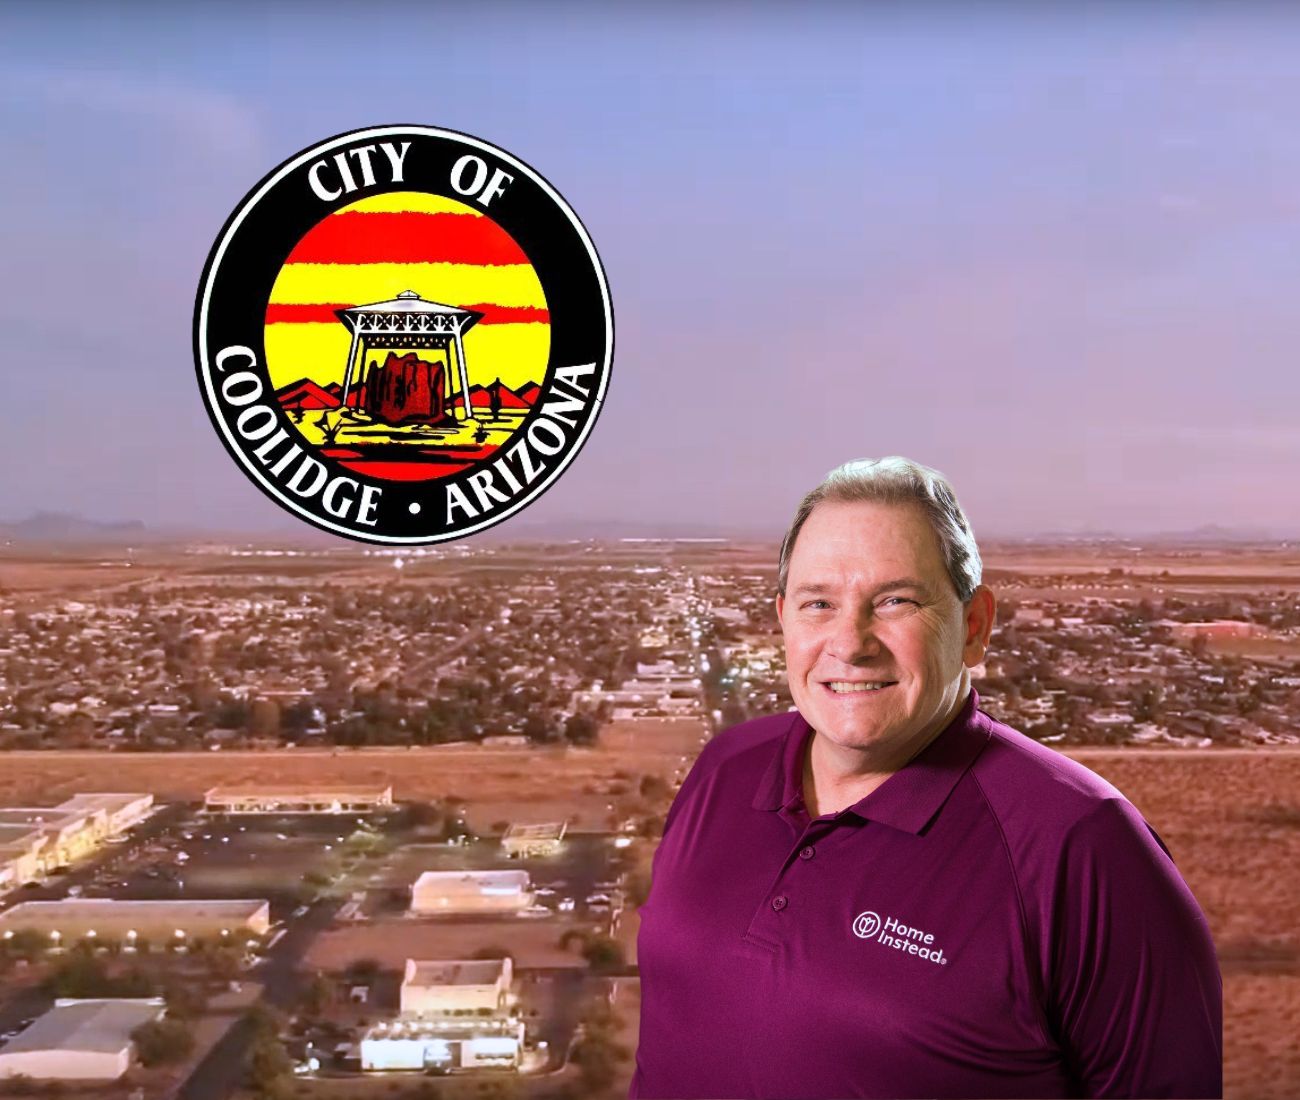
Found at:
(92, 1026)
(446, 972)
(473, 882)
(92, 908)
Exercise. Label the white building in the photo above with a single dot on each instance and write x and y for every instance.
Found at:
(79, 1040)
(456, 985)
(298, 800)
(442, 1044)
(533, 840)
(130, 921)
(450, 892)
(456, 1013)
(34, 840)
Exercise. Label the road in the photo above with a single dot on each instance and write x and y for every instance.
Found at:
(222, 1071)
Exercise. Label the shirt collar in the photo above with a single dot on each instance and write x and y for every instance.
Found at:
(910, 797)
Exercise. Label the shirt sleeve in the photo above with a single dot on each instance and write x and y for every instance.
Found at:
(1135, 994)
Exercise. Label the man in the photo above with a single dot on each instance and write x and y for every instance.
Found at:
(887, 893)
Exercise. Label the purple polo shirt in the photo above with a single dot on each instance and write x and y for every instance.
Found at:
(993, 920)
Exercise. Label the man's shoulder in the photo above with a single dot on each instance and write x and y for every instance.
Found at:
(1023, 780)
(757, 734)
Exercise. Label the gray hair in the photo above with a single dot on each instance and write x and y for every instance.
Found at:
(897, 480)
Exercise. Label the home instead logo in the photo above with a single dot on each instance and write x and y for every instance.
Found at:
(891, 933)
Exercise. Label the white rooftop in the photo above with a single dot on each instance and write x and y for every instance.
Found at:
(103, 1026)
(445, 972)
(473, 882)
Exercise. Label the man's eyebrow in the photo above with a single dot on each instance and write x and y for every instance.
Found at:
(810, 588)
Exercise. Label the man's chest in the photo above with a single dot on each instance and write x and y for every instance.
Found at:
(846, 936)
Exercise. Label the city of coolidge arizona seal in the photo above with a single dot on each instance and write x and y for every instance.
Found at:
(403, 335)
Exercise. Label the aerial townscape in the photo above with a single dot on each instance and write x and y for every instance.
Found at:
(310, 820)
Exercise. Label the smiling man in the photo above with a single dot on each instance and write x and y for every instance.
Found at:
(887, 893)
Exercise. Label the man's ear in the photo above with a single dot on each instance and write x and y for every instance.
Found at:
(981, 612)
(780, 610)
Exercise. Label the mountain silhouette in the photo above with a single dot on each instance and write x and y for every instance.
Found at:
(306, 394)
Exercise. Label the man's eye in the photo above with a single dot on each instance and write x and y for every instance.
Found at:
(896, 601)
(817, 605)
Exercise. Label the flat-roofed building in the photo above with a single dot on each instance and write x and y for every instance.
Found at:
(129, 921)
(520, 841)
(470, 892)
(442, 986)
(443, 1043)
(361, 798)
(34, 840)
(120, 810)
(79, 1040)
(455, 1013)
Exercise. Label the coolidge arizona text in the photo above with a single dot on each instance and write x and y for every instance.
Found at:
(519, 465)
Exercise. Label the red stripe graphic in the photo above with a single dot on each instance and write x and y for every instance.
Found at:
(407, 238)
(324, 313)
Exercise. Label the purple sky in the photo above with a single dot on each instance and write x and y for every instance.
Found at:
(1056, 256)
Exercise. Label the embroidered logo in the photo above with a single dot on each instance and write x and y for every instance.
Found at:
(893, 933)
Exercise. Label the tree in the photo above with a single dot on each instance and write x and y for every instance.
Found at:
(268, 1069)
(26, 943)
(362, 971)
(597, 1057)
(185, 1000)
(493, 951)
(161, 1041)
(654, 787)
(316, 996)
(581, 729)
(264, 718)
(604, 955)
(268, 1065)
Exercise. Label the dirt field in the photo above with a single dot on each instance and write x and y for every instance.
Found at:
(1232, 824)
(553, 784)
(534, 943)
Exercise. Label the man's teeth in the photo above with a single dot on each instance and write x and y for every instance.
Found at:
(848, 685)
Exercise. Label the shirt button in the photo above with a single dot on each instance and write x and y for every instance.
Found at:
(806, 852)
(780, 902)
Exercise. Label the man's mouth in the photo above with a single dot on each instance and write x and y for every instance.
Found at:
(850, 687)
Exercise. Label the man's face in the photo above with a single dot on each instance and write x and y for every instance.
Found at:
(876, 639)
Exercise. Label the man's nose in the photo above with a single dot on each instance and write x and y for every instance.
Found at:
(854, 638)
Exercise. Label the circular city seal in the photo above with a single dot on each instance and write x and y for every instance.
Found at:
(403, 335)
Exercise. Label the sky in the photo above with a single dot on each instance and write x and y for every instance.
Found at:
(1053, 254)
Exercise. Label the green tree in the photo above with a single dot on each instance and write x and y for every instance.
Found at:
(185, 1000)
(161, 1041)
(316, 996)
(268, 1067)
(604, 955)
(597, 1057)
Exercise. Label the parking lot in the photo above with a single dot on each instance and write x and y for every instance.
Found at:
(198, 856)
(580, 880)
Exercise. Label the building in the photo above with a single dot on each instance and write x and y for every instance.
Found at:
(129, 922)
(456, 985)
(456, 1013)
(1217, 628)
(79, 1040)
(298, 800)
(34, 840)
(521, 841)
(443, 1044)
(470, 892)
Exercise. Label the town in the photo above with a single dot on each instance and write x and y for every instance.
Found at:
(335, 822)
